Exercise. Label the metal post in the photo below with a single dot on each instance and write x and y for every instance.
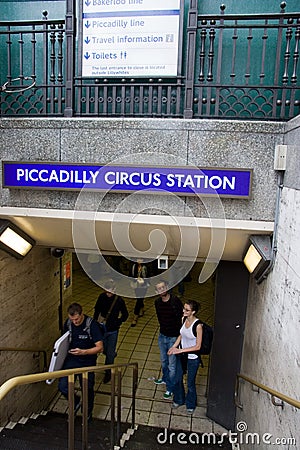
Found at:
(191, 53)
(71, 441)
(70, 57)
(133, 394)
(45, 62)
(119, 402)
(85, 411)
(112, 412)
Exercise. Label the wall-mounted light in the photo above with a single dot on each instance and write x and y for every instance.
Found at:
(258, 256)
(13, 240)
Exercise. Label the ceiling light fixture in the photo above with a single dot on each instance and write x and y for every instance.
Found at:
(13, 240)
(258, 256)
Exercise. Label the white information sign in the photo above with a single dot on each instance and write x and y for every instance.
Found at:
(124, 38)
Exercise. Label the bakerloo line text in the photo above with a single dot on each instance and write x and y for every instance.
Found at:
(113, 178)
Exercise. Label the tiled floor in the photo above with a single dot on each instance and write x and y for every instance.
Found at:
(139, 344)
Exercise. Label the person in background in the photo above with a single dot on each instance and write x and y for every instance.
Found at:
(85, 344)
(186, 345)
(169, 314)
(139, 272)
(110, 310)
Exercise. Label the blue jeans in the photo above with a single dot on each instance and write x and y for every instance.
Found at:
(110, 344)
(63, 383)
(168, 362)
(190, 398)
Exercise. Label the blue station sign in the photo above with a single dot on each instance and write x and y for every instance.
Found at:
(184, 180)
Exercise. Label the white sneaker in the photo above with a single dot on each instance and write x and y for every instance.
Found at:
(168, 395)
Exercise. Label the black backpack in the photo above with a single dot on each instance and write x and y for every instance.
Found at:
(207, 337)
(87, 327)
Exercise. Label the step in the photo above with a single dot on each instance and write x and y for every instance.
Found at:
(153, 438)
(50, 432)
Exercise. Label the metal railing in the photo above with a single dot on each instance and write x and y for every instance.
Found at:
(30, 350)
(233, 66)
(33, 60)
(116, 391)
(274, 394)
(247, 66)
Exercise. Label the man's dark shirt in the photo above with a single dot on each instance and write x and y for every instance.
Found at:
(81, 339)
(169, 315)
(118, 314)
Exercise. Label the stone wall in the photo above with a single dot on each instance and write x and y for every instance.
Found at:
(29, 298)
(204, 143)
(271, 353)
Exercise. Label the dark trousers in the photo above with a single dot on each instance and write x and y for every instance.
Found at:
(63, 382)
(139, 304)
(110, 345)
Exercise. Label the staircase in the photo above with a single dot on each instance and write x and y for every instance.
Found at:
(49, 431)
(151, 438)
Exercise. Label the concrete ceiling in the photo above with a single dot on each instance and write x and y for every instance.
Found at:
(129, 234)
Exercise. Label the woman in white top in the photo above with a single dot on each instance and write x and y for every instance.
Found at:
(186, 345)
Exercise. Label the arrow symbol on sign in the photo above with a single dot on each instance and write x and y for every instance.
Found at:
(87, 25)
(87, 55)
(87, 3)
(87, 40)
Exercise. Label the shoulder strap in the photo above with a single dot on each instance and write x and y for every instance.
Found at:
(69, 325)
(111, 307)
(195, 324)
(88, 326)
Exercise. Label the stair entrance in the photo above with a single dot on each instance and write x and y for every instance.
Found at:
(50, 432)
(153, 414)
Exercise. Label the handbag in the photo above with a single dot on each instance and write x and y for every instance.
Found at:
(103, 320)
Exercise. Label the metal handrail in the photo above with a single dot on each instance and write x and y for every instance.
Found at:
(31, 350)
(274, 394)
(10, 384)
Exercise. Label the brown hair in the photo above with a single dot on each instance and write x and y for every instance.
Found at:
(75, 308)
(195, 306)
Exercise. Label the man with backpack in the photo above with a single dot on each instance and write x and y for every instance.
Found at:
(85, 342)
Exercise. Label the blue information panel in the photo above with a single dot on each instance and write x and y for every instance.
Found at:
(178, 180)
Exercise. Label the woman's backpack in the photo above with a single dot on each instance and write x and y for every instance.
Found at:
(207, 337)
